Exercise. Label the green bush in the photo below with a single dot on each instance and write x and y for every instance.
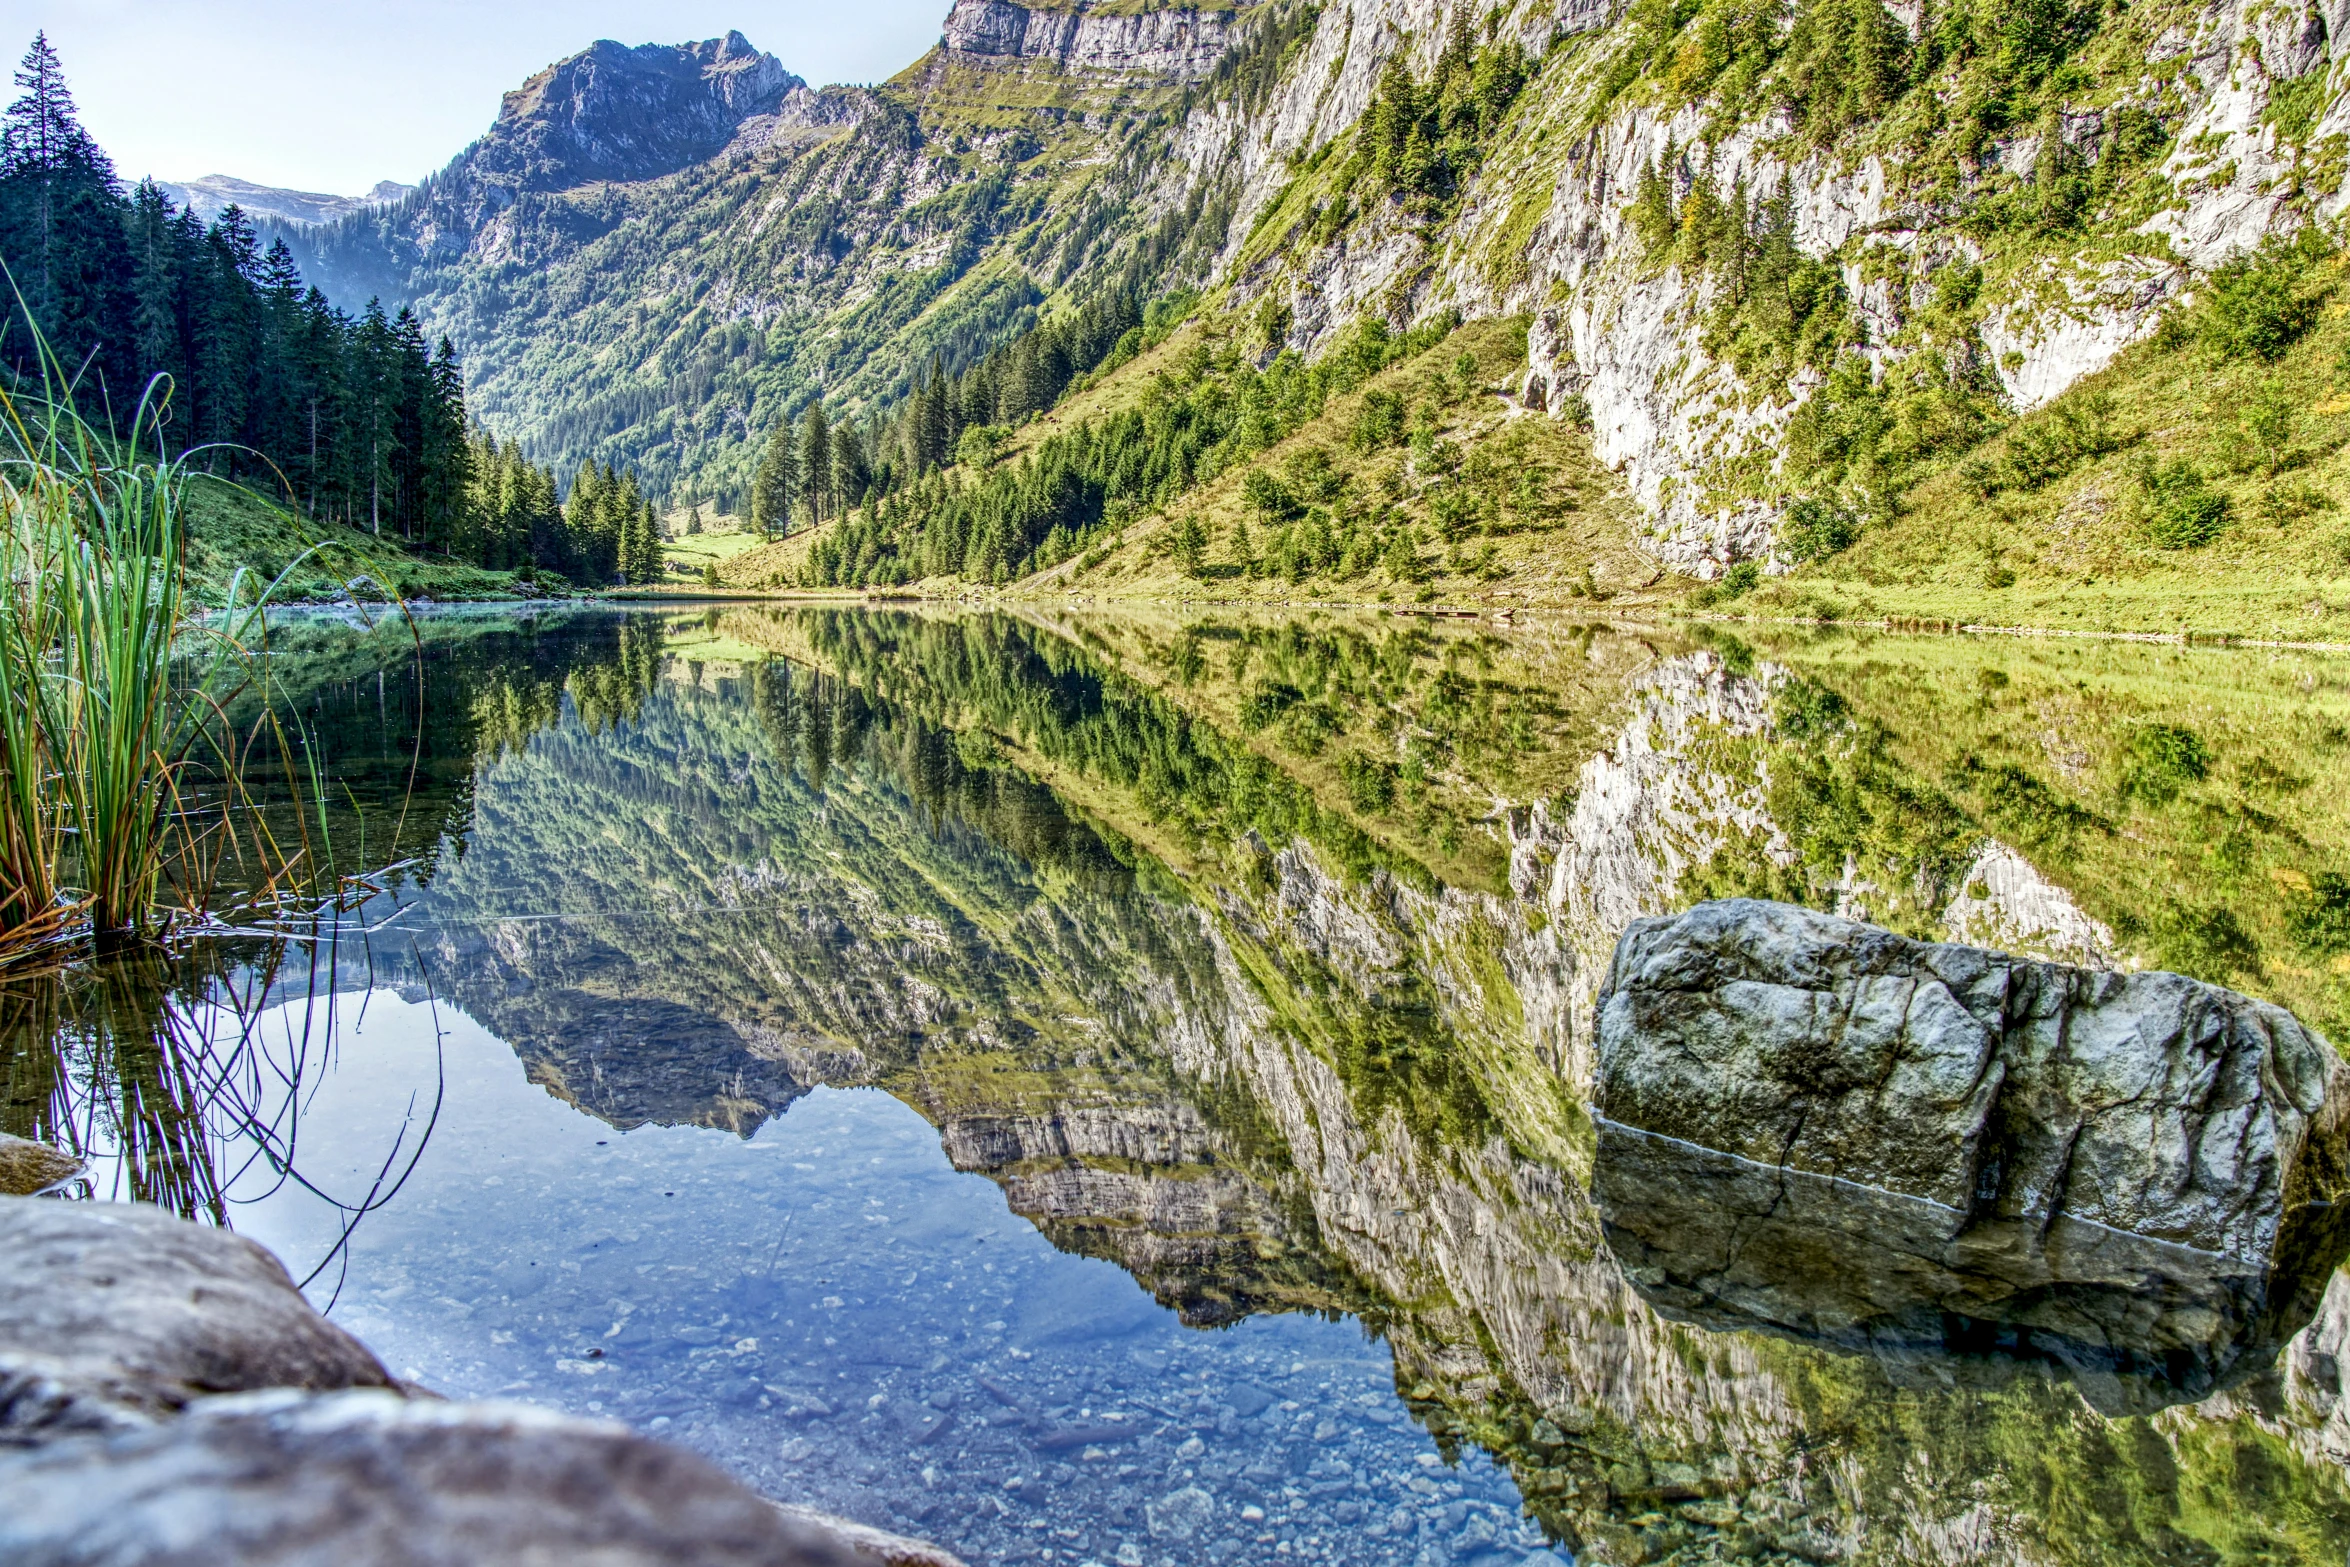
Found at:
(2255, 306)
(2029, 811)
(2294, 107)
(2043, 450)
(1379, 422)
(1741, 579)
(2184, 512)
(2208, 944)
(2159, 761)
(1266, 702)
(1370, 783)
(1265, 495)
(2320, 919)
(1816, 528)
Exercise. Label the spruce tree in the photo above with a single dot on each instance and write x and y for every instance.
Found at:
(775, 483)
(816, 461)
(851, 477)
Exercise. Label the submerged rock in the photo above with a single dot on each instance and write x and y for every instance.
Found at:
(27, 1167)
(114, 1315)
(1818, 1126)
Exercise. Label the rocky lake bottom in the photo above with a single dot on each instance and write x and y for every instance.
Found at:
(834, 1313)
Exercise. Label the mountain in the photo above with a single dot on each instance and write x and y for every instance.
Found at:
(1817, 285)
(216, 193)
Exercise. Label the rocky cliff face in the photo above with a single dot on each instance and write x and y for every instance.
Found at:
(935, 214)
(1544, 229)
(1168, 44)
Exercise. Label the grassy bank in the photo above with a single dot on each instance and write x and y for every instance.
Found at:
(231, 528)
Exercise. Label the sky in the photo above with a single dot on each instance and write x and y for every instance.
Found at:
(334, 95)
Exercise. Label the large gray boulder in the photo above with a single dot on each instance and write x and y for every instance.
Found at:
(1820, 1126)
(369, 1479)
(115, 1315)
(168, 1398)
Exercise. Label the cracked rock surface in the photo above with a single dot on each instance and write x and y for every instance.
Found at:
(1820, 1126)
(369, 1477)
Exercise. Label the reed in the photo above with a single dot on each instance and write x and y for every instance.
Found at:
(112, 683)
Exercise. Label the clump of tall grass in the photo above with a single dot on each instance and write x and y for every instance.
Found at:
(112, 684)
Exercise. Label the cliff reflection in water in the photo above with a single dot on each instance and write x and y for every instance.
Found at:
(1208, 944)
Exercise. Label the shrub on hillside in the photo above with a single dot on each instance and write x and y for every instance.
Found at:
(2183, 512)
(2043, 450)
(1380, 421)
(1816, 528)
(2258, 305)
(2320, 919)
(2159, 761)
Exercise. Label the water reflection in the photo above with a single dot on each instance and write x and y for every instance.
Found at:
(1208, 947)
(2138, 1324)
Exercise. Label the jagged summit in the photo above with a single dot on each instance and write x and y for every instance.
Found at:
(612, 112)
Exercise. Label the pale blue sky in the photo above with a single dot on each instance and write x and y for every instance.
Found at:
(333, 95)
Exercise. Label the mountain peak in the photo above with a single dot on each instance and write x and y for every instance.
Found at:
(613, 112)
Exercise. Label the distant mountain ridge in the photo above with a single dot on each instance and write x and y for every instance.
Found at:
(1771, 276)
(216, 193)
(653, 253)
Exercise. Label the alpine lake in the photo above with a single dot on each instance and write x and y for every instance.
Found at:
(1088, 1088)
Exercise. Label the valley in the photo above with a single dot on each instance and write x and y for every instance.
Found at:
(1424, 783)
(1767, 350)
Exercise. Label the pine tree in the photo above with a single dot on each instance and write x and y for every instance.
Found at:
(42, 142)
(851, 476)
(445, 460)
(776, 482)
(1190, 546)
(816, 461)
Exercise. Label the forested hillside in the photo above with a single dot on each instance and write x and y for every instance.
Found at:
(2014, 311)
(348, 417)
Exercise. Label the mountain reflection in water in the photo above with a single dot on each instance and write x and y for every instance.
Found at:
(1208, 946)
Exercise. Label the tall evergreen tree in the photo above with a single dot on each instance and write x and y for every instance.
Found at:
(816, 461)
(776, 483)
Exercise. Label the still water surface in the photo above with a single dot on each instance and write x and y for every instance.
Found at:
(1109, 1093)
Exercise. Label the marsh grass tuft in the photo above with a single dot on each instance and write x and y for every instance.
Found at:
(122, 778)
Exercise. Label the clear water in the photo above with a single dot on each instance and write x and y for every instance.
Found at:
(885, 1055)
(834, 1312)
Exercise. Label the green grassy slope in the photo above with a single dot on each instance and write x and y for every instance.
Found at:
(2110, 542)
(235, 528)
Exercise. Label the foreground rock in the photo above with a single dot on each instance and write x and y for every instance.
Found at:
(269, 1478)
(116, 1315)
(27, 1167)
(1819, 1126)
(172, 1398)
